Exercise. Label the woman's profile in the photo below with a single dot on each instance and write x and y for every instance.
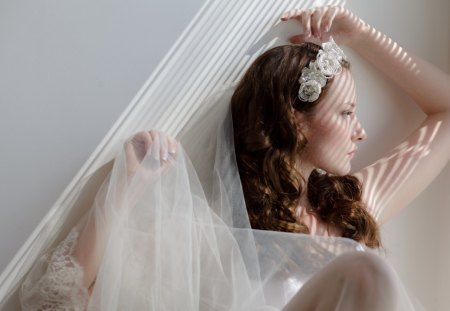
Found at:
(279, 223)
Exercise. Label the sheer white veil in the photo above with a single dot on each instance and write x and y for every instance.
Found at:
(208, 141)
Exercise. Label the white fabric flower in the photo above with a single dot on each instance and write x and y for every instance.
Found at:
(328, 63)
(332, 47)
(313, 73)
(309, 91)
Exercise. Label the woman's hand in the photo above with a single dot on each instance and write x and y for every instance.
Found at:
(160, 146)
(321, 23)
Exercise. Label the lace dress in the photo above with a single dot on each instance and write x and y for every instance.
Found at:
(56, 282)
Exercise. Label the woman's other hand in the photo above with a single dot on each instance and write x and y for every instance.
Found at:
(158, 145)
(321, 23)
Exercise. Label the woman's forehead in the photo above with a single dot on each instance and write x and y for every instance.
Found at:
(341, 90)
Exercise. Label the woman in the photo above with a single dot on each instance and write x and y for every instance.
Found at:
(295, 131)
(284, 138)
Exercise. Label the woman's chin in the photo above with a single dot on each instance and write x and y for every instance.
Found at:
(341, 171)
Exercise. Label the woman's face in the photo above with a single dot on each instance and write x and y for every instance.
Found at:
(333, 128)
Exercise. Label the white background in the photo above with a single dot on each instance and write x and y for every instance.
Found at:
(69, 68)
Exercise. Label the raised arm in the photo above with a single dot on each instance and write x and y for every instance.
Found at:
(393, 181)
(92, 238)
(63, 278)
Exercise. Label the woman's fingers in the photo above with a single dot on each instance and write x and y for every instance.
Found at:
(290, 14)
(140, 143)
(305, 19)
(172, 145)
(315, 21)
(135, 150)
(157, 145)
(328, 18)
(303, 16)
(298, 39)
(164, 147)
(131, 157)
(328, 21)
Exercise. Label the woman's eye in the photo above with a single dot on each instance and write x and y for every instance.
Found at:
(347, 113)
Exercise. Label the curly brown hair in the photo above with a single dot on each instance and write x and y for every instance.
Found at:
(268, 142)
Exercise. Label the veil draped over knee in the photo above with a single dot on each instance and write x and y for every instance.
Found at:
(177, 236)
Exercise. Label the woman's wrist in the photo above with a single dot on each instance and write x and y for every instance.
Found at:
(362, 37)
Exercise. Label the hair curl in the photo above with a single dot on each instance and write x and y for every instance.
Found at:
(268, 142)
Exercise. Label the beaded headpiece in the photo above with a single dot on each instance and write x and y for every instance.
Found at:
(314, 77)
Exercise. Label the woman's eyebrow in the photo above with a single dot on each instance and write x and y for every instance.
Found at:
(350, 104)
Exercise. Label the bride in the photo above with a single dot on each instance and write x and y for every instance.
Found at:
(269, 218)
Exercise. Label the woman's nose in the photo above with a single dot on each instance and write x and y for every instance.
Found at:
(359, 133)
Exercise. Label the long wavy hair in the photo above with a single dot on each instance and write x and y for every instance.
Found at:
(268, 143)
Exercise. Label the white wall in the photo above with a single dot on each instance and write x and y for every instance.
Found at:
(67, 71)
(415, 240)
(69, 68)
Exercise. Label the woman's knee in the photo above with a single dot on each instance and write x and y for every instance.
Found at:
(369, 273)
(353, 281)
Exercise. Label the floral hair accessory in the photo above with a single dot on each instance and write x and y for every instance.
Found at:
(314, 77)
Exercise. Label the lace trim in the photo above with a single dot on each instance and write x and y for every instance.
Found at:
(56, 284)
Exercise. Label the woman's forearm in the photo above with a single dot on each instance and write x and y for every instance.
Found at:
(427, 85)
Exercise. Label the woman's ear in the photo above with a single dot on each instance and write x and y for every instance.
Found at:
(302, 128)
(300, 121)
